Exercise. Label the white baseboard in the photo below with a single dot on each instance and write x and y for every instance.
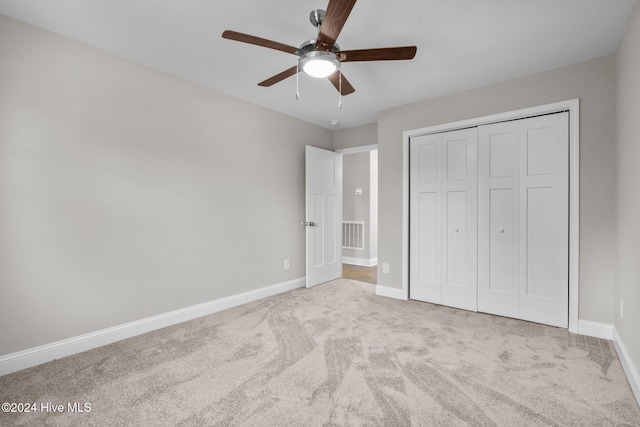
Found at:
(360, 261)
(627, 364)
(35, 356)
(595, 329)
(386, 291)
(609, 332)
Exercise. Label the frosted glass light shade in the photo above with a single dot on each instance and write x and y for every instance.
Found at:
(319, 64)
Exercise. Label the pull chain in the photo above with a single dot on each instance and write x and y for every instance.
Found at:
(340, 89)
(297, 81)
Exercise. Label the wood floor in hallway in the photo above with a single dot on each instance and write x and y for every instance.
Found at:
(362, 274)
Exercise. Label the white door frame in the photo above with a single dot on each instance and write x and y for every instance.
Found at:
(359, 149)
(355, 150)
(573, 106)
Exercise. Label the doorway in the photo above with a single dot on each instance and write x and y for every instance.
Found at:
(360, 213)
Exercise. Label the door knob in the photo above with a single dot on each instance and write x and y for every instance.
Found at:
(309, 224)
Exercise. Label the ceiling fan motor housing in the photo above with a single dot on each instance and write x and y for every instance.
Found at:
(310, 46)
(316, 17)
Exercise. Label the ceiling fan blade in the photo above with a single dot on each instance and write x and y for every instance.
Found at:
(334, 19)
(345, 85)
(382, 54)
(280, 76)
(246, 38)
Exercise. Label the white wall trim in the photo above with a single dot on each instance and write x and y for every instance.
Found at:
(360, 261)
(609, 332)
(386, 291)
(573, 106)
(35, 356)
(360, 149)
(627, 364)
(595, 329)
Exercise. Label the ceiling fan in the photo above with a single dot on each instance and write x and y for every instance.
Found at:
(322, 57)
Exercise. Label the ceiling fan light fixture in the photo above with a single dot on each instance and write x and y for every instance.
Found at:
(319, 64)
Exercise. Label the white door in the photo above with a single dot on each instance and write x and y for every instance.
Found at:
(523, 236)
(443, 223)
(499, 219)
(425, 218)
(323, 215)
(544, 219)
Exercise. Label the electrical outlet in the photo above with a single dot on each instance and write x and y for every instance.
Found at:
(621, 308)
(385, 267)
(286, 264)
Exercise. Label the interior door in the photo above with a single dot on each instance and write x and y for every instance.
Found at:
(323, 223)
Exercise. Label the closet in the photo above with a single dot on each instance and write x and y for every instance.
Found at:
(489, 216)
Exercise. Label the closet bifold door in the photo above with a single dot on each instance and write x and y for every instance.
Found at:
(523, 217)
(443, 222)
(544, 219)
(498, 219)
(425, 218)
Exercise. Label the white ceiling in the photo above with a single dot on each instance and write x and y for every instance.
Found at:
(462, 44)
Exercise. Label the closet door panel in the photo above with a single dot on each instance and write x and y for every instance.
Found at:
(457, 154)
(425, 219)
(498, 219)
(427, 162)
(501, 141)
(456, 229)
(459, 200)
(544, 219)
(539, 226)
(540, 144)
(501, 255)
(428, 263)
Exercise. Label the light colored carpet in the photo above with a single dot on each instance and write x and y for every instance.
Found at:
(336, 355)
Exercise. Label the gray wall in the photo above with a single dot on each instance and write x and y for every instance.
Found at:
(373, 200)
(357, 174)
(594, 82)
(127, 193)
(628, 194)
(356, 136)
